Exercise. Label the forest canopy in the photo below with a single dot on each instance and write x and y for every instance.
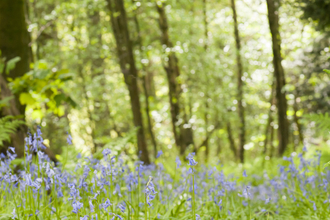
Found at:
(224, 79)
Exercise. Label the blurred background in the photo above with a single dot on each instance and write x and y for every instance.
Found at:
(231, 80)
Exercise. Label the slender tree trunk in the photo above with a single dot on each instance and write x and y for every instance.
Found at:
(296, 119)
(283, 130)
(231, 140)
(218, 145)
(14, 40)
(144, 84)
(128, 68)
(183, 136)
(270, 117)
(271, 141)
(240, 107)
(207, 150)
(205, 25)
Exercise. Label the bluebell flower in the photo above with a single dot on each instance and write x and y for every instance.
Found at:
(191, 160)
(69, 139)
(14, 215)
(91, 206)
(106, 204)
(304, 148)
(244, 174)
(11, 149)
(117, 190)
(198, 217)
(76, 205)
(159, 153)
(106, 152)
(178, 162)
(122, 206)
(150, 191)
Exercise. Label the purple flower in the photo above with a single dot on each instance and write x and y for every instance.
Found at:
(69, 139)
(106, 152)
(244, 174)
(178, 162)
(76, 206)
(159, 154)
(191, 160)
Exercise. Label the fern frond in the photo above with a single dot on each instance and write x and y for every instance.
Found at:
(8, 126)
(322, 121)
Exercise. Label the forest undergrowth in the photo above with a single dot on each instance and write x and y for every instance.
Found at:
(294, 187)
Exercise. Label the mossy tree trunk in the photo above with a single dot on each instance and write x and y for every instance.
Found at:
(14, 41)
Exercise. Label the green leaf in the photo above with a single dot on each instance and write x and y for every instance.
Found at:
(326, 165)
(5, 102)
(59, 99)
(41, 74)
(327, 71)
(11, 64)
(26, 98)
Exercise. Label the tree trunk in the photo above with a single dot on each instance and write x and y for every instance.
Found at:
(271, 141)
(296, 119)
(183, 136)
(207, 150)
(14, 40)
(231, 140)
(128, 68)
(240, 107)
(270, 117)
(145, 85)
(283, 130)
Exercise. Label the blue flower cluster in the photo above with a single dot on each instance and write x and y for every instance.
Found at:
(112, 188)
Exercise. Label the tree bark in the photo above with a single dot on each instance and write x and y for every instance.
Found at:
(128, 68)
(14, 40)
(283, 131)
(240, 107)
(207, 149)
(296, 119)
(231, 140)
(145, 84)
(270, 117)
(183, 136)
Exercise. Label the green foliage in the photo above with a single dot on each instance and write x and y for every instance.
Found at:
(11, 64)
(8, 126)
(43, 85)
(321, 120)
(318, 11)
